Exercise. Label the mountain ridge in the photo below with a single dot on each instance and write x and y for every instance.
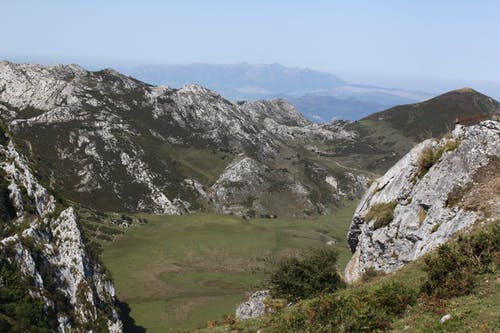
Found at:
(142, 147)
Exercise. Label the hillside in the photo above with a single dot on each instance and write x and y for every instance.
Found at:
(385, 137)
(436, 116)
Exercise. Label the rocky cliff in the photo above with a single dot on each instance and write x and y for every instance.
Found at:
(439, 188)
(48, 277)
(118, 144)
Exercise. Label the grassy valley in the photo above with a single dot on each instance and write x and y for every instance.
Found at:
(178, 272)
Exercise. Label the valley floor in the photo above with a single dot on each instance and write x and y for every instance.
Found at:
(178, 272)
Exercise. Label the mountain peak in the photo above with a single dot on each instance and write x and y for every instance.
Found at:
(465, 90)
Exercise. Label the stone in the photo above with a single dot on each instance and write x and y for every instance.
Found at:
(445, 318)
(254, 307)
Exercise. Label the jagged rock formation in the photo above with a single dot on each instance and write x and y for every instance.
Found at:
(254, 307)
(119, 144)
(42, 247)
(439, 188)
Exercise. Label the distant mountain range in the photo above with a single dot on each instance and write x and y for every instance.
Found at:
(319, 96)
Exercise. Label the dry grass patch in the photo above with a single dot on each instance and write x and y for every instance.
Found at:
(382, 213)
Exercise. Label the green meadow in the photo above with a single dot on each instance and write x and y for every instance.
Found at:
(178, 272)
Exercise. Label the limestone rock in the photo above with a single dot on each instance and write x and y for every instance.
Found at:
(254, 307)
(423, 217)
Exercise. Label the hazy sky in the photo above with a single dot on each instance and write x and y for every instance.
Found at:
(427, 38)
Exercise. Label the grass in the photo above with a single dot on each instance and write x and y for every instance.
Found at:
(178, 272)
(382, 213)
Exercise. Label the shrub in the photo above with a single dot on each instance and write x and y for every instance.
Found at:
(314, 273)
(394, 297)
(370, 274)
(454, 268)
(382, 213)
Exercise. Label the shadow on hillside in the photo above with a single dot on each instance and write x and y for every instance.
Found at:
(129, 325)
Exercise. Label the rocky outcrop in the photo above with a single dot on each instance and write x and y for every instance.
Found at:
(254, 307)
(439, 188)
(42, 240)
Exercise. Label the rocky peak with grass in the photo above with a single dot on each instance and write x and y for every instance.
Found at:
(440, 187)
(114, 143)
(49, 279)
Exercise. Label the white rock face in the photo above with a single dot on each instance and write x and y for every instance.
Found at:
(254, 307)
(422, 218)
(61, 247)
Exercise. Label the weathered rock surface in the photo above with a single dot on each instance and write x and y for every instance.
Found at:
(429, 209)
(254, 307)
(42, 239)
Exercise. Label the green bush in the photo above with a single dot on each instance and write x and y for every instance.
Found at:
(308, 276)
(453, 270)
(382, 213)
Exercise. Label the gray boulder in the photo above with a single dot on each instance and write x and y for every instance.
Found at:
(254, 307)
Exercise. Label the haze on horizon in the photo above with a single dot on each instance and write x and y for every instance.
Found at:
(408, 44)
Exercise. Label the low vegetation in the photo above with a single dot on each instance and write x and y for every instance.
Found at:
(382, 213)
(307, 276)
(361, 310)
(422, 214)
(19, 312)
(430, 155)
(454, 269)
(426, 159)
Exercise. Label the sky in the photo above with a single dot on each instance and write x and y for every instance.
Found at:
(447, 40)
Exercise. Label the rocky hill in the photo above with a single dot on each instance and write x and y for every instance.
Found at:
(117, 144)
(439, 188)
(49, 280)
